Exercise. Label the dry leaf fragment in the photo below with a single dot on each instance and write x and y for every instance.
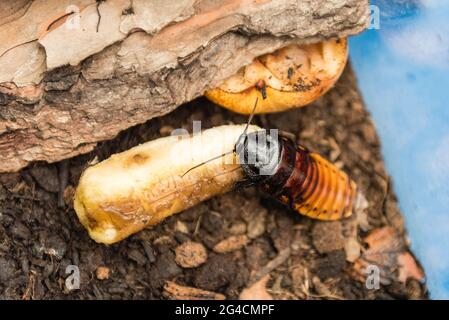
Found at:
(257, 291)
(408, 268)
(382, 239)
(388, 252)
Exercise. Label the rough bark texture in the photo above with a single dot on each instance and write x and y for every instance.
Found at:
(63, 88)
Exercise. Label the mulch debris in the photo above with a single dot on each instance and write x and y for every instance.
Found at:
(242, 244)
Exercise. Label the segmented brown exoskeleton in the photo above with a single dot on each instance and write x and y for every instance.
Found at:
(304, 180)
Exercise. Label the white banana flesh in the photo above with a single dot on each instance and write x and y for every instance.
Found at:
(142, 186)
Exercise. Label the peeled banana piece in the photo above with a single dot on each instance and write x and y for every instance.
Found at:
(140, 187)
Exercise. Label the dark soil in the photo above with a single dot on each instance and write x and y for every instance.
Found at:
(40, 234)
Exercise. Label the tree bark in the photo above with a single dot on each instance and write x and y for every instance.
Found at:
(75, 72)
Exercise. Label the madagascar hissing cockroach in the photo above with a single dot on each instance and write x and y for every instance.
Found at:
(304, 180)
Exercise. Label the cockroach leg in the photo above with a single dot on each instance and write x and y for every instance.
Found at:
(243, 184)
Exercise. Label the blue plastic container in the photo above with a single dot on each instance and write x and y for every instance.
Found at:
(403, 73)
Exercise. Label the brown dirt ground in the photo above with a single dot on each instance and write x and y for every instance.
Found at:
(306, 259)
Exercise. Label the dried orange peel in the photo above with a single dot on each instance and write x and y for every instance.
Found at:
(290, 77)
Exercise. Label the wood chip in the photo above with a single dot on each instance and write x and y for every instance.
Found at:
(360, 211)
(352, 249)
(256, 226)
(175, 291)
(181, 227)
(68, 195)
(272, 264)
(190, 254)
(237, 228)
(323, 290)
(102, 273)
(328, 237)
(231, 244)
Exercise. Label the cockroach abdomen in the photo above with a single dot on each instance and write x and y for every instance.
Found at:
(318, 189)
(304, 180)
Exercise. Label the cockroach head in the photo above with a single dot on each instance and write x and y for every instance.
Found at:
(259, 154)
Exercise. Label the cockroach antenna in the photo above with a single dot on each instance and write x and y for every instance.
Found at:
(226, 153)
(207, 161)
(251, 116)
(247, 123)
